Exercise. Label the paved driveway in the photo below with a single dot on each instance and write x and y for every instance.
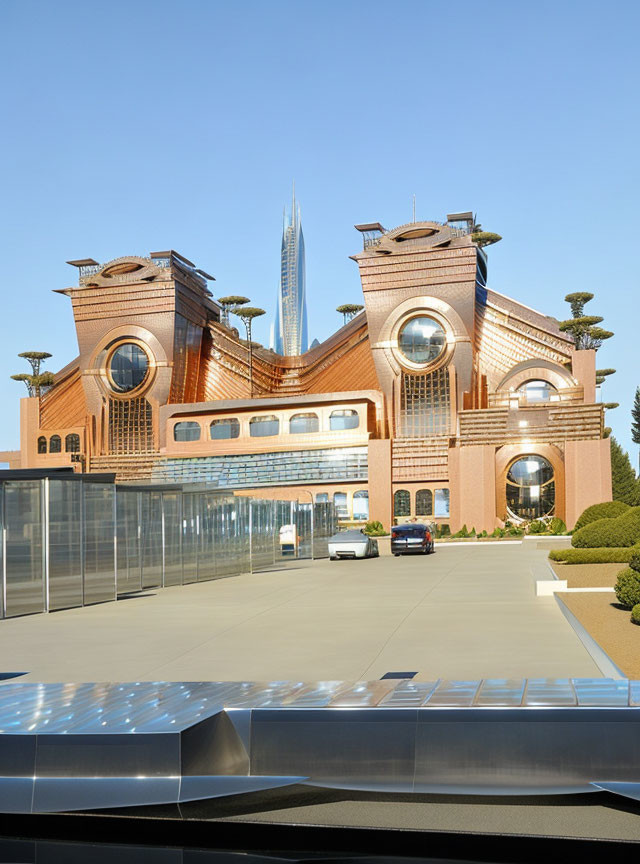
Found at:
(465, 612)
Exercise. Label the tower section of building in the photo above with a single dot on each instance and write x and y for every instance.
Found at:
(289, 334)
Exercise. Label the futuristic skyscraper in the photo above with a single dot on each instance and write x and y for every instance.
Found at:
(289, 330)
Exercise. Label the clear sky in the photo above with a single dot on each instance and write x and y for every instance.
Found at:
(131, 127)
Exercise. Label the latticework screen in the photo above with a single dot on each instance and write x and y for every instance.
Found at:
(130, 426)
(425, 402)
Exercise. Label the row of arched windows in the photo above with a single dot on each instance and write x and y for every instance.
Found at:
(267, 425)
(54, 445)
(424, 503)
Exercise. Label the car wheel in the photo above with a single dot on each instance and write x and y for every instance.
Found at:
(333, 557)
(396, 554)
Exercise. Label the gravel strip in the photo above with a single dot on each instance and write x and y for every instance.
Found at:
(588, 575)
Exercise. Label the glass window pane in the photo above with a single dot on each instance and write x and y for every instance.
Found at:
(128, 367)
(530, 488)
(340, 504)
(344, 419)
(42, 444)
(24, 533)
(72, 443)
(421, 340)
(65, 544)
(424, 502)
(361, 505)
(99, 548)
(300, 424)
(402, 503)
(261, 427)
(226, 428)
(537, 391)
(441, 497)
(55, 444)
(186, 431)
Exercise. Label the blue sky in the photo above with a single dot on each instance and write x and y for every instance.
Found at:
(140, 126)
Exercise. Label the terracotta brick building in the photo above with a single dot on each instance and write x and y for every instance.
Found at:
(442, 399)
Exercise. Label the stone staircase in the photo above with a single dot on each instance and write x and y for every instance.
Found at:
(420, 459)
(126, 466)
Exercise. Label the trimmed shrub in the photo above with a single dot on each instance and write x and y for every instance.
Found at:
(606, 510)
(537, 527)
(463, 532)
(634, 561)
(627, 588)
(375, 529)
(557, 526)
(635, 614)
(609, 555)
(624, 530)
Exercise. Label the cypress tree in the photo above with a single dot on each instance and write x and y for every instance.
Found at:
(635, 416)
(623, 477)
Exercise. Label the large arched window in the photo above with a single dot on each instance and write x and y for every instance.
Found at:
(227, 427)
(361, 505)
(262, 427)
(345, 418)
(55, 444)
(531, 491)
(42, 444)
(300, 424)
(536, 392)
(188, 430)
(421, 340)
(424, 502)
(401, 503)
(72, 443)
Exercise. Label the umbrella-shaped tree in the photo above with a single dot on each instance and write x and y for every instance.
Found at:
(38, 382)
(349, 311)
(229, 303)
(246, 315)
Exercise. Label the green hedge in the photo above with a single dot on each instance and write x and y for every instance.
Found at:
(624, 530)
(635, 614)
(607, 510)
(627, 588)
(557, 526)
(609, 555)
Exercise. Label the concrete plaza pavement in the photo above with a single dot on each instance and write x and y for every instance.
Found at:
(466, 612)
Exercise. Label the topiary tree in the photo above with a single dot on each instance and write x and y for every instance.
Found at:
(606, 510)
(635, 614)
(246, 315)
(229, 303)
(627, 588)
(622, 531)
(583, 328)
(349, 311)
(485, 238)
(38, 382)
(601, 374)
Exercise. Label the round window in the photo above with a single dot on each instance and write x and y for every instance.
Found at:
(128, 368)
(422, 340)
(531, 491)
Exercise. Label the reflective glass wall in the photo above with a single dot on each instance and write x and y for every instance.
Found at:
(71, 540)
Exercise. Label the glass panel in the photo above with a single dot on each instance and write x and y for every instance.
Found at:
(530, 488)
(42, 444)
(536, 391)
(301, 424)
(421, 340)
(285, 530)
(441, 502)
(190, 527)
(261, 427)
(344, 419)
(172, 534)
(322, 497)
(424, 502)
(262, 534)
(402, 503)
(207, 538)
(151, 523)
(128, 368)
(65, 544)
(129, 546)
(187, 431)
(99, 552)
(340, 503)
(222, 429)
(72, 443)
(24, 533)
(55, 444)
(303, 517)
(361, 505)
(425, 404)
(324, 526)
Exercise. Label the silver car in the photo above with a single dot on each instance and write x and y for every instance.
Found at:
(352, 543)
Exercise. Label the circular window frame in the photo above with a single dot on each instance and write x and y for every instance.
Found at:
(146, 381)
(443, 357)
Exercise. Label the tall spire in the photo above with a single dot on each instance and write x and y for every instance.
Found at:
(289, 335)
